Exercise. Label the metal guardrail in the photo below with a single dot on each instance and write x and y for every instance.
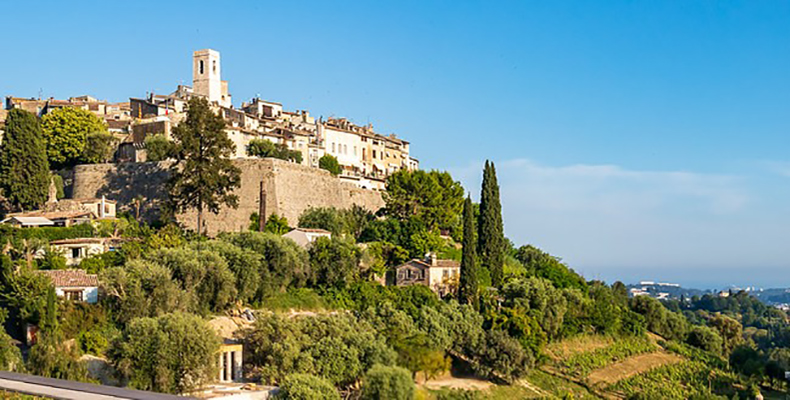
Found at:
(72, 390)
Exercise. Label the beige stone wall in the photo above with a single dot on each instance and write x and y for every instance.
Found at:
(290, 190)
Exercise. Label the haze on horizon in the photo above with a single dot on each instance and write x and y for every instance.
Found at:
(635, 139)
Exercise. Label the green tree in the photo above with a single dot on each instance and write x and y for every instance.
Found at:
(245, 264)
(266, 148)
(706, 339)
(24, 169)
(467, 285)
(99, 148)
(544, 265)
(203, 176)
(10, 356)
(329, 162)
(203, 274)
(306, 387)
(50, 356)
(385, 383)
(327, 218)
(158, 148)
(335, 261)
(141, 289)
(277, 225)
(65, 133)
(432, 197)
(338, 348)
(491, 237)
(173, 353)
(731, 331)
(283, 263)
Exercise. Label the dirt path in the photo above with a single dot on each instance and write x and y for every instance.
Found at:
(631, 366)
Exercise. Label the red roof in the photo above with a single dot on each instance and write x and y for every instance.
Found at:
(71, 278)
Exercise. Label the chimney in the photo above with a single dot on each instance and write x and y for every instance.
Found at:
(430, 258)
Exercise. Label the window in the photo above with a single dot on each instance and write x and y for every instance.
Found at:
(74, 295)
(333, 148)
(355, 150)
(363, 153)
(345, 149)
(374, 154)
(75, 252)
(200, 67)
(214, 66)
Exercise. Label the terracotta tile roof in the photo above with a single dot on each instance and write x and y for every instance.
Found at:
(71, 278)
(55, 214)
(313, 230)
(439, 264)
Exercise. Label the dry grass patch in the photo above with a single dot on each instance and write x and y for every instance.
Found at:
(631, 366)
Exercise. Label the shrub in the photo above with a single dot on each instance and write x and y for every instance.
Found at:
(306, 387)
(158, 148)
(329, 163)
(382, 382)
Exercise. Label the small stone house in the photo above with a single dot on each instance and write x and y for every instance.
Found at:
(74, 284)
(304, 237)
(439, 275)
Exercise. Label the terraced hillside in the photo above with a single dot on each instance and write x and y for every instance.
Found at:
(647, 367)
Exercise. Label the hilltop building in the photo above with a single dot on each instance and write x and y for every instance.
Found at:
(365, 156)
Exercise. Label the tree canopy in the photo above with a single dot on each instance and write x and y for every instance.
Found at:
(266, 148)
(172, 353)
(24, 169)
(66, 131)
(203, 177)
(329, 163)
(432, 197)
(491, 236)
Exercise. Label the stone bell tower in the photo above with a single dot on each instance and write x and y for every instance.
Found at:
(206, 77)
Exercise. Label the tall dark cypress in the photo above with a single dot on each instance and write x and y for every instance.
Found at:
(24, 169)
(491, 237)
(467, 285)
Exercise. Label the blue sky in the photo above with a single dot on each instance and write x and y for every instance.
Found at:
(636, 139)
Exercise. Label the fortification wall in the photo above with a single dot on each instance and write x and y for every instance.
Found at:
(289, 190)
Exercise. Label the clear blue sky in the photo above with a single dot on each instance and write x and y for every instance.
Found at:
(636, 139)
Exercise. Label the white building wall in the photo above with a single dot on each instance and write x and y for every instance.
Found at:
(345, 146)
(89, 294)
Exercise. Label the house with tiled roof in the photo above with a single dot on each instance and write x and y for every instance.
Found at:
(439, 275)
(74, 284)
(304, 237)
(75, 250)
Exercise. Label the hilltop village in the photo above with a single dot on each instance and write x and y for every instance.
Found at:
(366, 158)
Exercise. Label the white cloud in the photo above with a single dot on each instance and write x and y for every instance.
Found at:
(778, 167)
(605, 218)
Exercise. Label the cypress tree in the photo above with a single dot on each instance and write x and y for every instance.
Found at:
(24, 169)
(491, 237)
(467, 285)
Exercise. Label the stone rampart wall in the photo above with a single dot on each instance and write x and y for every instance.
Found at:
(289, 190)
